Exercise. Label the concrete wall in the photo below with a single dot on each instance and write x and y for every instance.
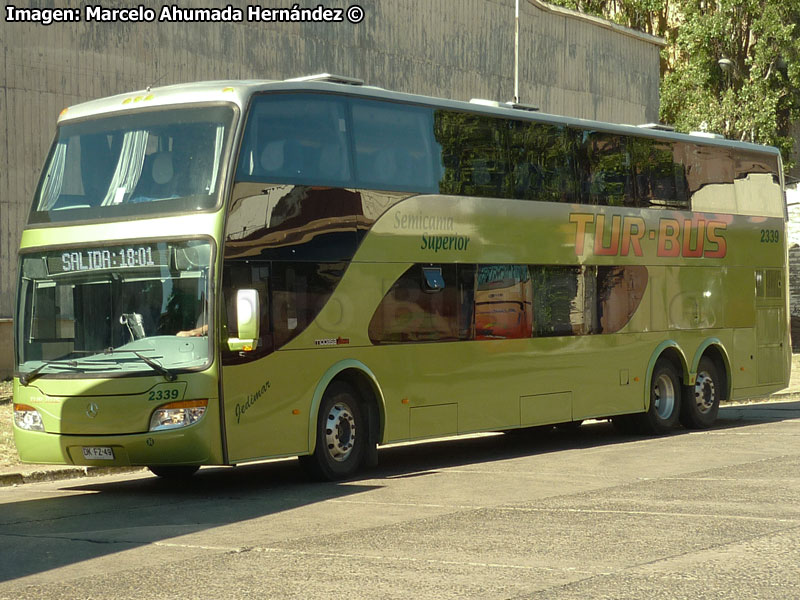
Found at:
(6, 351)
(459, 49)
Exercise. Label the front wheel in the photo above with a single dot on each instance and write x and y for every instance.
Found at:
(341, 435)
(665, 400)
(701, 402)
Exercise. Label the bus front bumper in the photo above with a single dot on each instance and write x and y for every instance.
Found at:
(192, 445)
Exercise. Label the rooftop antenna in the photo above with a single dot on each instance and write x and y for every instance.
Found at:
(150, 87)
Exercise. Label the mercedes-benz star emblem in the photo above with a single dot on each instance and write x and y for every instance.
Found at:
(91, 410)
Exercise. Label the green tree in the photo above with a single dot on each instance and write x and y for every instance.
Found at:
(730, 66)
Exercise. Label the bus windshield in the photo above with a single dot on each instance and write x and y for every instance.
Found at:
(145, 163)
(140, 307)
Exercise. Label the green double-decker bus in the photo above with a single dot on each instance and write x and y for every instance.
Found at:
(225, 272)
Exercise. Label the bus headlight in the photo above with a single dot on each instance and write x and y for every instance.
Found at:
(177, 414)
(28, 418)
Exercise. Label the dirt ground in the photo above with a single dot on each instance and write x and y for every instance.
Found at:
(8, 452)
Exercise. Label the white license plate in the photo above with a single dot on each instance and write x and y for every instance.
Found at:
(98, 453)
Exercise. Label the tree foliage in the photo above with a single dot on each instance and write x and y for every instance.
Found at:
(730, 66)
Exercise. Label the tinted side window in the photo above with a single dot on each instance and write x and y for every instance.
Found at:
(503, 302)
(427, 303)
(585, 300)
(659, 175)
(299, 291)
(394, 146)
(298, 138)
(475, 154)
(558, 301)
(543, 159)
(506, 301)
(605, 170)
(619, 291)
(238, 275)
(708, 165)
(754, 163)
(291, 294)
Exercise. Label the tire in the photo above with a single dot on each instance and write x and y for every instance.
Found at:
(665, 400)
(174, 471)
(341, 435)
(700, 404)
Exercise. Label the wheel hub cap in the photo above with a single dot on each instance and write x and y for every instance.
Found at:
(340, 432)
(664, 393)
(705, 392)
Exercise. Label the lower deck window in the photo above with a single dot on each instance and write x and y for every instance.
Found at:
(506, 301)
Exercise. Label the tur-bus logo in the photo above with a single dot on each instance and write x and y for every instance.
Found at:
(620, 235)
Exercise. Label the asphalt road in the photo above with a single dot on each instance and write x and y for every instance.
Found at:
(556, 515)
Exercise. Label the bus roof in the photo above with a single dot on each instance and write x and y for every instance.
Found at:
(238, 92)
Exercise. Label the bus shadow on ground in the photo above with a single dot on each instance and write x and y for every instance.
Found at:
(115, 516)
(48, 533)
(412, 460)
(760, 411)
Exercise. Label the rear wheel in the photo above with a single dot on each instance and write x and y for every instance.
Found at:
(341, 435)
(701, 402)
(174, 471)
(665, 400)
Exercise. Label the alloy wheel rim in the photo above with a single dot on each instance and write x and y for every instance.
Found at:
(705, 392)
(664, 396)
(340, 432)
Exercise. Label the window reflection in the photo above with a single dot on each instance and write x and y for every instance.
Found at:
(606, 172)
(505, 301)
(544, 160)
(393, 146)
(558, 305)
(659, 176)
(324, 140)
(474, 154)
(300, 138)
(410, 314)
(619, 292)
(291, 295)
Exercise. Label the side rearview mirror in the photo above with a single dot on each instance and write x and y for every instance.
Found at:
(247, 321)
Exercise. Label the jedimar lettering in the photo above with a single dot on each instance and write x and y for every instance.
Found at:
(622, 235)
(243, 407)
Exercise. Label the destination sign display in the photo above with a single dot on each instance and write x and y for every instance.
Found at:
(104, 259)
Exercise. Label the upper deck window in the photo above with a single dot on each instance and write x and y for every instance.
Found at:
(318, 141)
(136, 164)
(295, 139)
(394, 148)
(323, 140)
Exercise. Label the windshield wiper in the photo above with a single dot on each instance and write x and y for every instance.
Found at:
(28, 377)
(158, 368)
(161, 370)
